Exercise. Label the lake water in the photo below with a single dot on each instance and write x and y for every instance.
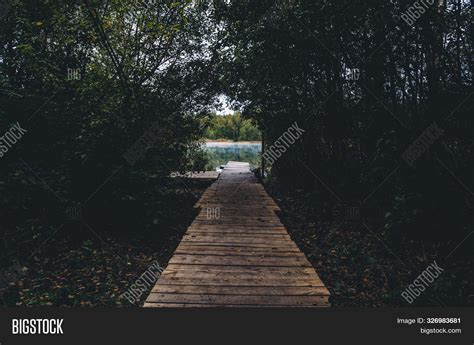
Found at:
(220, 153)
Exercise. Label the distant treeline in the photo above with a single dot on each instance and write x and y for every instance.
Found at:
(232, 127)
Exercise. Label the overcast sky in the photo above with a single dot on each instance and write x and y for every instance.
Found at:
(226, 108)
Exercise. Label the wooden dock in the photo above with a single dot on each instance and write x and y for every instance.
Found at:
(237, 253)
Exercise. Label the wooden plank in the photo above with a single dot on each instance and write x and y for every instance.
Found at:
(262, 270)
(223, 220)
(235, 250)
(239, 260)
(207, 251)
(275, 246)
(241, 219)
(237, 239)
(242, 275)
(242, 290)
(233, 281)
(210, 299)
(263, 248)
(242, 241)
(190, 305)
(242, 232)
(224, 225)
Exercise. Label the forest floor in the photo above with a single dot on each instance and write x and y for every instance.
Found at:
(96, 270)
(358, 266)
(354, 262)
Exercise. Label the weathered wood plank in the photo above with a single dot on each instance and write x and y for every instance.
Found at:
(242, 290)
(208, 251)
(239, 260)
(261, 270)
(240, 244)
(237, 300)
(243, 232)
(237, 239)
(233, 281)
(241, 275)
(238, 247)
(242, 306)
(223, 227)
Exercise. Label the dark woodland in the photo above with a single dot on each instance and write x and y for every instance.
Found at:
(379, 186)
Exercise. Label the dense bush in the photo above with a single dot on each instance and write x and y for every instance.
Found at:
(87, 79)
(364, 85)
(232, 127)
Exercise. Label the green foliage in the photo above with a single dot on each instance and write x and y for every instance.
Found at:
(363, 85)
(232, 127)
(87, 81)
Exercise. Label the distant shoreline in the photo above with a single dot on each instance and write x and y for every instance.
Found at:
(227, 142)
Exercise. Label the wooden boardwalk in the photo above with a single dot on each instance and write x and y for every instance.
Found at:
(237, 253)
